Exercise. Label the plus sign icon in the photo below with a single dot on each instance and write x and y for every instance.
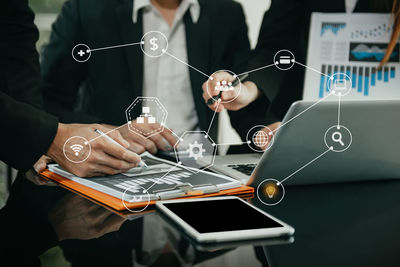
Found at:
(81, 53)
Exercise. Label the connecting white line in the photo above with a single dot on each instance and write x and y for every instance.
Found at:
(91, 140)
(338, 114)
(114, 46)
(158, 179)
(233, 144)
(329, 149)
(165, 51)
(215, 112)
(264, 67)
(300, 113)
(312, 69)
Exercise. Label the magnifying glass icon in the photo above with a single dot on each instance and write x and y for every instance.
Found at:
(337, 137)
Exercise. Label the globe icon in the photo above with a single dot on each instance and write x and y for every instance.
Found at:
(260, 138)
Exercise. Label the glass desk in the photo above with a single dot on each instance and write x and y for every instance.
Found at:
(353, 224)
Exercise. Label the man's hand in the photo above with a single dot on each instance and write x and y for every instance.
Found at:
(139, 143)
(231, 100)
(41, 164)
(105, 158)
(74, 217)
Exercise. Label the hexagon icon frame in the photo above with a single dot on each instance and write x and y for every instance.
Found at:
(206, 136)
(138, 131)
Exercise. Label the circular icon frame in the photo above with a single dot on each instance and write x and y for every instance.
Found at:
(144, 191)
(279, 184)
(347, 80)
(278, 59)
(339, 139)
(80, 46)
(163, 50)
(249, 138)
(79, 147)
(220, 100)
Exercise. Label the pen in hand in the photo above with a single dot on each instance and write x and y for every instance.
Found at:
(141, 163)
(238, 79)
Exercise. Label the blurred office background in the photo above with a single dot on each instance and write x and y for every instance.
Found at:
(46, 12)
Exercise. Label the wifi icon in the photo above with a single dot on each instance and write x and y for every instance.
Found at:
(76, 148)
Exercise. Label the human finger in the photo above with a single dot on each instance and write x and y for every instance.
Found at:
(216, 82)
(213, 106)
(167, 134)
(159, 141)
(148, 144)
(137, 148)
(222, 81)
(117, 164)
(138, 143)
(117, 151)
(229, 95)
(102, 170)
(41, 164)
(114, 134)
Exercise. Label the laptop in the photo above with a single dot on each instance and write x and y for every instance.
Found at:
(297, 152)
(237, 166)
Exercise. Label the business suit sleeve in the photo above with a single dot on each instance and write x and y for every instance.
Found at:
(26, 134)
(20, 76)
(255, 113)
(26, 131)
(62, 75)
(278, 31)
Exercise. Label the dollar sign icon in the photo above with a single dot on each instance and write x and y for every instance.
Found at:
(154, 45)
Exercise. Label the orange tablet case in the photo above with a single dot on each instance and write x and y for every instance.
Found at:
(115, 204)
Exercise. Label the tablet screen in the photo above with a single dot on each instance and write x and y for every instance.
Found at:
(221, 215)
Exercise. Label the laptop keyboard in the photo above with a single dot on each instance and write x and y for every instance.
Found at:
(244, 168)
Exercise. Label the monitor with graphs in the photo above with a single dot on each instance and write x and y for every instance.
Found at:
(351, 45)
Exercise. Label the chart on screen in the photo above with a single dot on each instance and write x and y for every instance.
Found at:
(351, 46)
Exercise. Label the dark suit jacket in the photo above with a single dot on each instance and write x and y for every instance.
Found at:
(112, 79)
(285, 26)
(26, 132)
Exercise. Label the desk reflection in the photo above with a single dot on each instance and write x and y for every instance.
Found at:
(352, 224)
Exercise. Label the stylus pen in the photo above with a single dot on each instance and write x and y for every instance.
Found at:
(141, 163)
(238, 79)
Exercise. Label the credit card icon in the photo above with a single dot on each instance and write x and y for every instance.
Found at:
(284, 60)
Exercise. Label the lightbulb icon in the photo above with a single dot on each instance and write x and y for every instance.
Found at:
(270, 189)
(270, 192)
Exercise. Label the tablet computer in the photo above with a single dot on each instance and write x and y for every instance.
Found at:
(221, 219)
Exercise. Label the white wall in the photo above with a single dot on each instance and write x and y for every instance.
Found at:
(254, 11)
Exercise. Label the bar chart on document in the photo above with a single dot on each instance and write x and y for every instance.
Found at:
(352, 45)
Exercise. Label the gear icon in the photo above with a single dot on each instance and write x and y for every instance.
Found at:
(196, 150)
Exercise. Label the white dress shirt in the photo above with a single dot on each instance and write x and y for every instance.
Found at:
(350, 5)
(165, 77)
